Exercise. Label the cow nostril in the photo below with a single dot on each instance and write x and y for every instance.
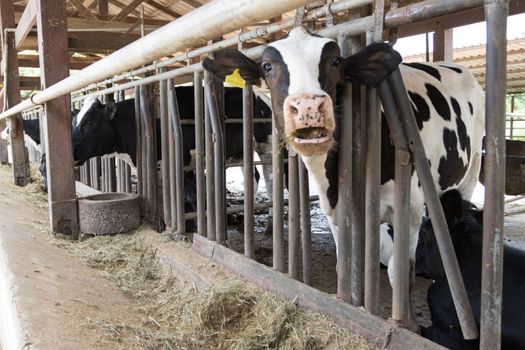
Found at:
(293, 110)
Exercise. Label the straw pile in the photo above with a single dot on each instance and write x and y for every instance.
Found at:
(231, 315)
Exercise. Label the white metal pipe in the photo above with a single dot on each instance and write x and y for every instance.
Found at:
(214, 19)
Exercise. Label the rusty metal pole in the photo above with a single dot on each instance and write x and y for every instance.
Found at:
(210, 171)
(220, 178)
(173, 177)
(403, 174)
(294, 234)
(306, 227)
(165, 144)
(138, 154)
(344, 216)
(179, 164)
(278, 200)
(373, 179)
(249, 194)
(496, 12)
(199, 153)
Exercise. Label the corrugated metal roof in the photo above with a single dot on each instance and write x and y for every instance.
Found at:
(474, 58)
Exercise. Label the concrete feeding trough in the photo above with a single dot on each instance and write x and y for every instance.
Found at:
(108, 213)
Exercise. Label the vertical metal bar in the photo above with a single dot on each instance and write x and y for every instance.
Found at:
(359, 150)
(446, 249)
(210, 172)
(373, 173)
(511, 136)
(306, 228)
(403, 173)
(138, 154)
(249, 216)
(179, 166)
(278, 200)
(165, 164)
(127, 178)
(151, 153)
(220, 178)
(344, 216)
(112, 176)
(294, 234)
(373, 179)
(199, 153)
(173, 178)
(496, 12)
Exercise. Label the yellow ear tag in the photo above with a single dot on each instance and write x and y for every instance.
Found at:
(235, 79)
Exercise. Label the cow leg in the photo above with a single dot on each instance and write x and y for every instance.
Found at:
(415, 223)
(267, 175)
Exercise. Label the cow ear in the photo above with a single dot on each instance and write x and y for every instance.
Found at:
(225, 62)
(371, 65)
(110, 110)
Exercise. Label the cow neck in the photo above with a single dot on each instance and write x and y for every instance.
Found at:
(125, 131)
(324, 170)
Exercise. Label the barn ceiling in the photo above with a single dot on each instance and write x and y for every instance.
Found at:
(99, 27)
(474, 58)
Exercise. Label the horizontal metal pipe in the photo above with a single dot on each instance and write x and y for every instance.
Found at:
(215, 18)
(427, 9)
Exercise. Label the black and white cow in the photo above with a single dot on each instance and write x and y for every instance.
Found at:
(466, 229)
(31, 128)
(302, 72)
(100, 129)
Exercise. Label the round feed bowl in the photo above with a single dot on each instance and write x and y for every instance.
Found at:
(108, 213)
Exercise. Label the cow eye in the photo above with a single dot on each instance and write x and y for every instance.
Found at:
(336, 61)
(88, 124)
(267, 67)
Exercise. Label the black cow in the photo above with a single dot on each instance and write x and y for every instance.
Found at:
(31, 128)
(100, 129)
(466, 228)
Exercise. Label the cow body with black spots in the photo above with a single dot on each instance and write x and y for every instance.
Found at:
(302, 72)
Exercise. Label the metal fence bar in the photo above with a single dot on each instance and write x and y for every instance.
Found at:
(218, 154)
(306, 227)
(172, 176)
(496, 12)
(278, 201)
(446, 249)
(249, 191)
(210, 171)
(138, 153)
(165, 146)
(344, 202)
(403, 174)
(294, 234)
(177, 136)
(112, 175)
(199, 153)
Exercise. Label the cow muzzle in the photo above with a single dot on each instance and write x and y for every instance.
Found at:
(309, 123)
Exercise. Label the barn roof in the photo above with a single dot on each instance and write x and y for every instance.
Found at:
(474, 58)
(93, 33)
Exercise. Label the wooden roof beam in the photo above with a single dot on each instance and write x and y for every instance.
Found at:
(26, 23)
(82, 10)
(163, 8)
(127, 10)
(103, 9)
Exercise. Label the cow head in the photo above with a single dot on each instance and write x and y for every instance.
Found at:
(465, 224)
(93, 130)
(302, 72)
